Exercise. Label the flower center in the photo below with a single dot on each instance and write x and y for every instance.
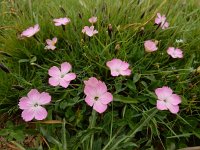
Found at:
(117, 70)
(62, 75)
(96, 98)
(53, 43)
(36, 105)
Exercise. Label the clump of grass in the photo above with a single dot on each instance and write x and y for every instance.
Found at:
(131, 120)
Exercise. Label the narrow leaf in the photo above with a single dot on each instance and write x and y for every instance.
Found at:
(123, 99)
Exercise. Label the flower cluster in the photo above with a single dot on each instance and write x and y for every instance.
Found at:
(31, 31)
(95, 90)
(97, 95)
(90, 31)
(151, 45)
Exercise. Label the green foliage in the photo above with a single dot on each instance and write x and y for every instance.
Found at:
(131, 121)
(12, 132)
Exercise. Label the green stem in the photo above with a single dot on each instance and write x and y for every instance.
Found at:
(64, 135)
(34, 64)
(100, 42)
(111, 126)
(92, 125)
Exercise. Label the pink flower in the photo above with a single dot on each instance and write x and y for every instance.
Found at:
(167, 100)
(31, 105)
(61, 21)
(51, 43)
(61, 76)
(93, 20)
(150, 46)
(118, 67)
(30, 31)
(161, 20)
(175, 52)
(97, 95)
(89, 31)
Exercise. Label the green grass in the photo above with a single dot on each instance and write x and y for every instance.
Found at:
(131, 121)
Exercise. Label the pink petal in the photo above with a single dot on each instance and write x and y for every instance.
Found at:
(55, 39)
(40, 113)
(65, 67)
(55, 20)
(166, 25)
(99, 107)
(170, 50)
(54, 81)
(174, 99)
(49, 42)
(69, 76)
(24, 103)
(95, 32)
(58, 24)
(65, 20)
(114, 73)
(90, 91)
(28, 33)
(114, 64)
(33, 95)
(126, 72)
(45, 98)
(179, 53)
(101, 88)
(172, 108)
(37, 27)
(157, 21)
(54, 72)
(91, 82)
(28, 114)
(50, 47)
(124, 65)
(159, 15)
(106, 98)
(89, 32)
(161, 105)
(163, 18)
(92, 28)
(64, 83)
(163, 93)
(90, 100)
(85, 29)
